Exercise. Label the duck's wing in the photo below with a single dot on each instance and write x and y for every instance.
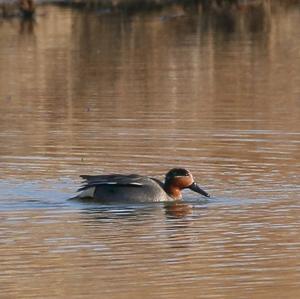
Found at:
(161, 184)
(112, 179)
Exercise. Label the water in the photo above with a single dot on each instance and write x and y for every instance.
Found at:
(95, 93)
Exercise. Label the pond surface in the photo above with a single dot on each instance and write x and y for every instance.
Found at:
(95, 93)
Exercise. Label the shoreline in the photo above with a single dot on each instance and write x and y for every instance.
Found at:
(10, 8)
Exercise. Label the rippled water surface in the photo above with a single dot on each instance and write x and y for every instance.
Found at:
(95, 93)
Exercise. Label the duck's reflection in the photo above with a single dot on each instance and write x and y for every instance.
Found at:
(137, 211)
(177, 209)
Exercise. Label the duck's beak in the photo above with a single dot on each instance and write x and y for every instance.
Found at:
(197, 189)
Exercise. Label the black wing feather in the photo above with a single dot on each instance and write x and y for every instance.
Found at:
(116, 179)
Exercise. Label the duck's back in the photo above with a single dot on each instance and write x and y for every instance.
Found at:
(122, 188)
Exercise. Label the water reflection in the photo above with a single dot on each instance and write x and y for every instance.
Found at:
(111, 211)
(177, 209)
(223, 250)
(27, 26)
(135, 211)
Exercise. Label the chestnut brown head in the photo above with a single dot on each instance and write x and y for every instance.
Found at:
(179, 178)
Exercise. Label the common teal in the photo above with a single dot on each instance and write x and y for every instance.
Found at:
(137, 188)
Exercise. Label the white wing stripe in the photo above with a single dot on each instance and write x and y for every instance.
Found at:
(87, 193)
(116, 183)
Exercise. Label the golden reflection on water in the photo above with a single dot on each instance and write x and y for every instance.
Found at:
(215, 251)
(81, 93)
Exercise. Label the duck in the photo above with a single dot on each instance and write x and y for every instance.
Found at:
(138, 188)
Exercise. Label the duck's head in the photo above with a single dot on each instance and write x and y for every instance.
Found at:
(179, 178)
